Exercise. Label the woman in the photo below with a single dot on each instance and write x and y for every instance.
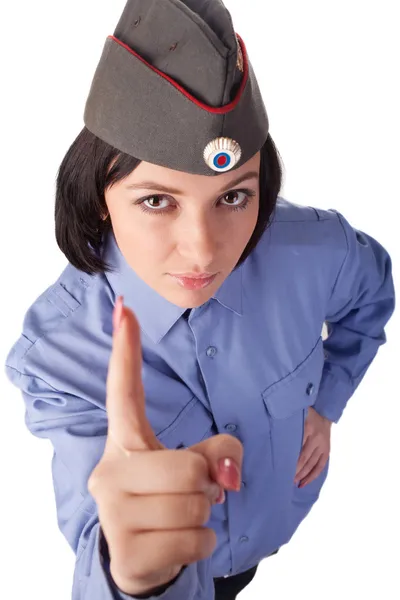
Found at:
(169, 199)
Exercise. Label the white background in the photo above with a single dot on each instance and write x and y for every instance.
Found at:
(329, 76)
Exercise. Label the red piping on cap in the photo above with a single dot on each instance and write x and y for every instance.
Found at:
(219, 111)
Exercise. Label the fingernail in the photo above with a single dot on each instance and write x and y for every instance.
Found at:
(117, 313)
(230, 472)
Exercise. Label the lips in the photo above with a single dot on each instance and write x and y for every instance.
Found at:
(193, 275)
(191, 282)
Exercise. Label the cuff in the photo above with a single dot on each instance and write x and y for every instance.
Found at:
(333, 396)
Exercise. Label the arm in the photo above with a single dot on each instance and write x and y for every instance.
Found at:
(361, 303)
(77, 430)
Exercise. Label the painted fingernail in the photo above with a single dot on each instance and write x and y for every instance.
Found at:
(230, 472)
(117, 313)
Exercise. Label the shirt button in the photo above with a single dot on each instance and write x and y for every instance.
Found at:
(310, 389)
(244, 538)
(231, 427)
(211, 351)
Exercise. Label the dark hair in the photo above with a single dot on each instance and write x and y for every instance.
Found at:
(84, 176)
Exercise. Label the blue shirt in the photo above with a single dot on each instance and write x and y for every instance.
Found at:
(248, 362)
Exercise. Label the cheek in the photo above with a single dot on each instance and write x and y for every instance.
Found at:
(142, 239)
(252, 216)
(242, 224)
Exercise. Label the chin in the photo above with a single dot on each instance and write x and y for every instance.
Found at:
(188, 298)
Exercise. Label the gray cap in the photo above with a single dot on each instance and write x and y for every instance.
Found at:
(174, 87)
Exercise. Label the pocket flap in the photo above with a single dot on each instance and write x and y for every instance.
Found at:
(193, 424)
(299, 389)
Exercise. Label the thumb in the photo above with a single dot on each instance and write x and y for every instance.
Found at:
(224, 455)
(128, 425)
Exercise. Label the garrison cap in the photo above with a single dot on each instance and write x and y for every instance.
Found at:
(174, 86)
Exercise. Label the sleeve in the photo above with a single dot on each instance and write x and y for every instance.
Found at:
(361, 303)
(77, 430)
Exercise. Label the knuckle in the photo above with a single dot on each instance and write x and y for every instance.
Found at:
(102, 485)
(95, 480)
(92, 484)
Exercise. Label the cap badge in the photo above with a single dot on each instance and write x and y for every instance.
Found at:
(222, 154)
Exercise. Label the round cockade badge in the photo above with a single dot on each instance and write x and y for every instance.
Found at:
(222, 154)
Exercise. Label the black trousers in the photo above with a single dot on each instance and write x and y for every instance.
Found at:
(227, 588)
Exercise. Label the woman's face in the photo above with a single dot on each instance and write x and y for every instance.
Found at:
(169, 224)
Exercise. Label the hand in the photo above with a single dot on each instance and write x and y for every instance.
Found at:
(316, 448)
(152, 502)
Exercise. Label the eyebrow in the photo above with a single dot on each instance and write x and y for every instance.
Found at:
(153, 185)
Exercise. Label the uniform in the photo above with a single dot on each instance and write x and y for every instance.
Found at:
(248, 362)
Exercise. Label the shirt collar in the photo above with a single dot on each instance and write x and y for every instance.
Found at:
(157, 315)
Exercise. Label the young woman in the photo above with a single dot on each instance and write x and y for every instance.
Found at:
(177, 364)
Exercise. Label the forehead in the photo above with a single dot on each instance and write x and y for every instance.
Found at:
(149, 172)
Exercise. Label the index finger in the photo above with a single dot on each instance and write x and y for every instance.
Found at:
(125, 404)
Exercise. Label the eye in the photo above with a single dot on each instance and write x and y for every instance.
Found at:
(236, 198)
(156, 202)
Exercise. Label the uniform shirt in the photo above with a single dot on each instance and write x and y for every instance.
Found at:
(248, 362)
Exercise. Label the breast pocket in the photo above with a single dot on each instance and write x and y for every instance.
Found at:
(287, 402)
(192, 425)
(177, 416)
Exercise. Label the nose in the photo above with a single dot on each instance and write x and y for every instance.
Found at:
(197, 243)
